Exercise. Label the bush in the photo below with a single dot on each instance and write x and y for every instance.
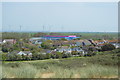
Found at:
(66, 55)
(90, 53)
(108, 47)
(58, 55)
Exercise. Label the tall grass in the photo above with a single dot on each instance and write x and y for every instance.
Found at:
(99, 66)
(0, 71)
(53, 71)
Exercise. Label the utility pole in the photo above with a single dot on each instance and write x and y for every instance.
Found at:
(20, 28)
(43, 28)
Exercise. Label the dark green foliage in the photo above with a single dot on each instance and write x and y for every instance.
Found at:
(3, 56)
(66, 55)
(4, 49)
(40, 34)
(53, 56)
(46, 45)
(105, 59)
(108, 47)
(15, 35)
(58, 55)
(90, 53)
(48, 56)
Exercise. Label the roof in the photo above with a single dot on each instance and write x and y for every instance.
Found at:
(45, 50)
(53, 52)
(112, 40)
(59, 36)
(24, 52)
(65, 47)
(9, 39)
(86, 42)
(0, 40)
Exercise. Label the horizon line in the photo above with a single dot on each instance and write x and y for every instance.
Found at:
(64, 31)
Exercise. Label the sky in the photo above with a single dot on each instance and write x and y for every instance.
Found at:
(60, 16)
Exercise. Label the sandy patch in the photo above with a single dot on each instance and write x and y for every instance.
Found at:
(76, 76)
(47, 75)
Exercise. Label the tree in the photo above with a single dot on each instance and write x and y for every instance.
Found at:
(64, 55)
(74, 53)
(90, 53)
(4, 49)
(34, 56)
(4, 56)
(42, 56)
(18, 57)
(46, 45)
(48, 56)
(53, 56)
(58, 55)
(40, 34)
(108, 47)
(12, 57)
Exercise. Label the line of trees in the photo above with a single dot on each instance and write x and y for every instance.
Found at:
(35, 56)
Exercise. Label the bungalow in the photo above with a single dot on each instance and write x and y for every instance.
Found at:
(65, 49)
(101, 42)
(83, 43)
(12, 41)
(36, 40)
(26, 53)
(115, 43)
(78, 49)
(45, 51)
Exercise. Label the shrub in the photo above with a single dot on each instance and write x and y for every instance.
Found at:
(108, 47)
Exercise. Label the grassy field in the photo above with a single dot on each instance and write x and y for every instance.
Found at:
(99, 66)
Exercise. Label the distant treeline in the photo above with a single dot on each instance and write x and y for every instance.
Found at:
(83, 35)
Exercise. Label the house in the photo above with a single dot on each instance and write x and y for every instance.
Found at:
(78, 49)
(26, 53)
(45, 51)
(12, 41)
(36, 40)
(83, 42)
(101, 42)
(92, 42)
(115, 43)
(79, 43)
(53, 52)
(57, 43)
(65, 49)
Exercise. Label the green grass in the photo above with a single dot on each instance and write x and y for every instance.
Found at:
(99, 66)
(30, 71)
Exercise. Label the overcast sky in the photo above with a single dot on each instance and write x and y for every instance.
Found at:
(60, 16)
